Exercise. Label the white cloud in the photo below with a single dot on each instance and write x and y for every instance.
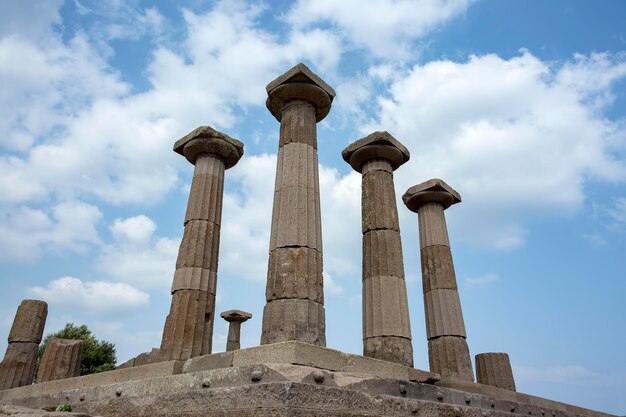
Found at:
(330, 286)
(482, 281)
(25, 233)
(94, 296)
(516, 138)
(138, 229)
(384, 27)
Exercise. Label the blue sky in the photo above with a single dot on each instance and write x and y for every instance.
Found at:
(520, 106)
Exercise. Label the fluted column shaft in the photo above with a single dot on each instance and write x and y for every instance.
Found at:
(448, 352)
(189, 326)
(60, 360)
(294, 293)
(495, 369)
(234, 336)
(386, 325)
(18, 366)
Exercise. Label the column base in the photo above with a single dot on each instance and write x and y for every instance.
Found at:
(389, 348)
(449, 356)
(294, 319)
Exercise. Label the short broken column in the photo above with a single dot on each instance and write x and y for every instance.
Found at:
(298, 99)
(448, 353)
(234, 318)
(495, 369)
(18, 366)
(188, 328)
(60, 360)
(386, 324)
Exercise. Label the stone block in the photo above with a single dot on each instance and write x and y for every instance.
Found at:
(432, 226)
(293, 319)
(382, 254)
(199, 247)
(297, 166)
(431, 191)
(194, 279)
(296, 219)
(376, 165)
(207, 141)
(29, 322)
(389, 348)
(297, 126)
(188, 328)
(495, 369)
(437, 268)
(300, 73)
(284, 98)
(443, 314)
(18, 366)
(60, 360)
(378, 202)
(295, 273)
(205, 198)
(378, 145)
(385, 307)
(449, 356)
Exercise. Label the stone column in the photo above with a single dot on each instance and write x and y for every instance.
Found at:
(448, 353)
(386, 325)
(235, 318)
(18, 367)
(188, 328)
(295, 297)
(495, 369)
(60, 360)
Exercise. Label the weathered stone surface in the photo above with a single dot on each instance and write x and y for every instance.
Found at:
(449, 356)
(29, 322)
(18, 366)
(144, 358)
(431, 191)
(377, 145)
(188, 328)
(60, 360)
(378, 202)
(205, 196)
(297, 166)
(376, 165)
(200, 245)
(297, 125)
(385, 307)
(206, 140)
(294, 319)
(296, 219)
(17, 411)
(194, 279)
(382, 254)
(389, 348)
(295, 273)
(443, 313)
(437, 268)
(432, 226)
(234, 318)
(301, 73)
(495, 369)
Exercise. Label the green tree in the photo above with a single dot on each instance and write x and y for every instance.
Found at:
(98, 355)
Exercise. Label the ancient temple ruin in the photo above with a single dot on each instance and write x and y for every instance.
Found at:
(292, 372)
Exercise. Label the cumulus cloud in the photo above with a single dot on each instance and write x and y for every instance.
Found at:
(385, 28)
(92, 296)
(517, 138)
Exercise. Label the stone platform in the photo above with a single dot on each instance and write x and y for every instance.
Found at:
(282, 379)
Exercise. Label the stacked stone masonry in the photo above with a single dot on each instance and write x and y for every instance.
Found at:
(188, 330)
(60, 360)
(386, 325)
(448, 352)
(294, 293)
(495, 369)
(18, 366)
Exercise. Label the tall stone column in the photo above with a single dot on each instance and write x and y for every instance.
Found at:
(448, 353)
(60, 360)
(18, 366)
(295, 297)
(188, 328)
(234, 318)
(494, 369)
(386, 325)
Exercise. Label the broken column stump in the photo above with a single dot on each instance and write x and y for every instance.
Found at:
(448, 353)
(18, 366)
(188, 330)
(60, 360)
(495, 369)
(294, 310)
(386, 324)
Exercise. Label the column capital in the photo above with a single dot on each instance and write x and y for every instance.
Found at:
(236, 316)
(205, 139)
(431, 191)
(299, 83)
(378, 145)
